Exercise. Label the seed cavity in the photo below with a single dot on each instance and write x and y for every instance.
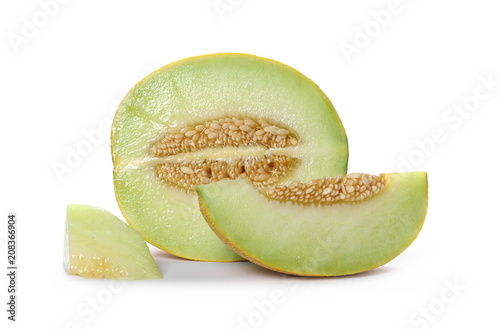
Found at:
(223, 132)
(261, 171)
(353, 187)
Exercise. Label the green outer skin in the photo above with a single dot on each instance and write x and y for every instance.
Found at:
(96, 233)
(207, 87)
(317, 240)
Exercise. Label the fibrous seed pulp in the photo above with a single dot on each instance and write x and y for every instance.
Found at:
(353, 187)
(223, 132)
(262, 171)
(95, 267)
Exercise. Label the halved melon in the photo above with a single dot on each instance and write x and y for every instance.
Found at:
(215, 117)
(100, 246)
(326, 227)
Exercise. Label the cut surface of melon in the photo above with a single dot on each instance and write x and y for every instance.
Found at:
(204, 119)
(317, 239)
(100, 246)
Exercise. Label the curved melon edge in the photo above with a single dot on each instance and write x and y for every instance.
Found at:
(210, 220)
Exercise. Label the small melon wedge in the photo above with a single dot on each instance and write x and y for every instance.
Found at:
(317, 239)
(100, 246)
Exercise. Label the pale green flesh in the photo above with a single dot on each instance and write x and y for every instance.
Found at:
(100, 245)
(196, 90)
(318, 240)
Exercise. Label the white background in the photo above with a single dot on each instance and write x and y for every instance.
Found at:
(396, 91)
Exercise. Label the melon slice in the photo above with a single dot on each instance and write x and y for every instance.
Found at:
(100, 246)
(215, 117)
(326, 227)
